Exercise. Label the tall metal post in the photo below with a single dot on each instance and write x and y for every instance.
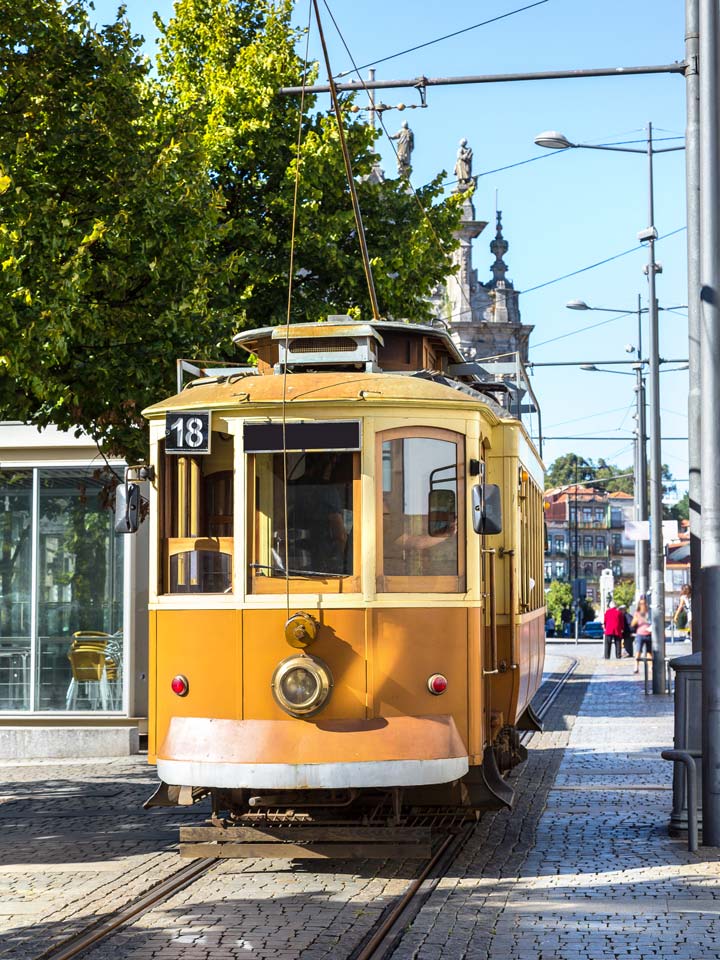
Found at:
(371, 99)
(641, 476)
(576, 582)
(641, 481)
(692, 181)
(710, 423)
(657, 557)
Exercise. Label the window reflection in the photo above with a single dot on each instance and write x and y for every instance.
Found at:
(420, 524)
(79, 569)
(197, 524)
(15, 585)
(319, 514)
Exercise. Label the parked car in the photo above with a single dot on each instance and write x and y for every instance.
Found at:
(593, 630)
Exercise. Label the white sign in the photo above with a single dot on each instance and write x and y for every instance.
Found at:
(640, 530)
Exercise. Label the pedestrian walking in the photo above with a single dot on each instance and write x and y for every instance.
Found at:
(683, 615)
(627, 632)
(614, 626)
(550, 626)
(566, 620)
(643, 632)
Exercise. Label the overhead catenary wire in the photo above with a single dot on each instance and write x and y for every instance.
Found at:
(348, 167)
(540, 156)
(422, 209)
(589, 416)
(599, 263)
(447, 36)
(589, 326)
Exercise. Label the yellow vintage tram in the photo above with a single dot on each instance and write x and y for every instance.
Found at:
(346, 591)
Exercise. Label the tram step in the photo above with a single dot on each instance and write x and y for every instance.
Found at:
(306, 843)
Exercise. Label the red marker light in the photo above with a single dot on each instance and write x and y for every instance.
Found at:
(179, 685)
(437, 684)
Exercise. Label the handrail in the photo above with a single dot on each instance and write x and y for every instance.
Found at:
(490, 552)
(687, 758)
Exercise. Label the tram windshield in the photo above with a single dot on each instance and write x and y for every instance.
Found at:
(197, 519)
(422, 545)
(317, 495)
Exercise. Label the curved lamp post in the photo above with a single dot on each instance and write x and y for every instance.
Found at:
(554, 140)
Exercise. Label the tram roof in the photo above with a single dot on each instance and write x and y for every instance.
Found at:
(241, 390)
(342, 325)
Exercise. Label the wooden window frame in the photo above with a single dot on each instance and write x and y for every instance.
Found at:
(421, 584)
(184, 483)
(339, 583)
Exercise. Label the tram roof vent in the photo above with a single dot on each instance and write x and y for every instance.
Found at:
(339, 343)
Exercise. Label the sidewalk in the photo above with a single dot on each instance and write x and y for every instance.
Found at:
(591, 871)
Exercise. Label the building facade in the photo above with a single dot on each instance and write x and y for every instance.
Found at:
(586, 535)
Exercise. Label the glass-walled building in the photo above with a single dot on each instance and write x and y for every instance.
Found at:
(72, 624)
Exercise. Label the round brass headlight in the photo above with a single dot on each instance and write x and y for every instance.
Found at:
(301, 685)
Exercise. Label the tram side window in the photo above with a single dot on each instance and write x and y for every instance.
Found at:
(422, 541)
(317, 541)
(197, 520)
(530, 563)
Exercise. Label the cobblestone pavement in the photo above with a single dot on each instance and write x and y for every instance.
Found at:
(582, 867)
(76, 844)
(587, 869)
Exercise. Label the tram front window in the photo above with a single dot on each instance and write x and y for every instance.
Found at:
(317, 540)
(197, 519)
(422, 504)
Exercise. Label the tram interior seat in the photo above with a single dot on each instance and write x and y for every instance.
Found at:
(95, 660)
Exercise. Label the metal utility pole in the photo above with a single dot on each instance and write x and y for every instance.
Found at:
(710, 421)
(692, 181)
(421, 82)
(371, 99)
(641, 483)
(576, 581)
(641, 475)
(657, 551)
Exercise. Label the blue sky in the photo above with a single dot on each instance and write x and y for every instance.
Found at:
(564, 211)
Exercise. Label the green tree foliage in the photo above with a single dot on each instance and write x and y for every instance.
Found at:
(562, 472)
(222, 62)
(148, 219)
(105, 218)
(567, 469)
(557, 596)
(624, 592)
(681, 509)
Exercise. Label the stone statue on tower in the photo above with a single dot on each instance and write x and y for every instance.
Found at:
(463, 167)
(406, 144)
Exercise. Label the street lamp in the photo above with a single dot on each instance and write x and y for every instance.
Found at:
(554, 140)
(641, 472)
(640, 486)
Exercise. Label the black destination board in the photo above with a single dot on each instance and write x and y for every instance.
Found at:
(328, 435)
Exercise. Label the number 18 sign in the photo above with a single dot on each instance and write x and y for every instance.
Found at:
(187, 432)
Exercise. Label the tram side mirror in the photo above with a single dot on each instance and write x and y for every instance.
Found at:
(127, 508)
(442, 513)
(486, 508)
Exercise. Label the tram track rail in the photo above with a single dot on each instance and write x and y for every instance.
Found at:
(77, 944)
(381, 941)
